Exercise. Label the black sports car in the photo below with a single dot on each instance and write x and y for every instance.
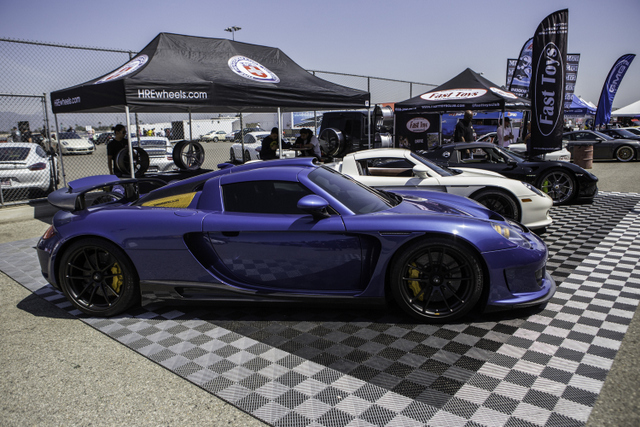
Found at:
(618, 133)
(605, 147)
(564, 182)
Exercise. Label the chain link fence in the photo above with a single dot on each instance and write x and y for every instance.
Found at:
(80, 139)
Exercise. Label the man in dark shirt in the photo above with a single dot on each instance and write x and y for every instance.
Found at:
(113, 148)
(269, 145)
(464, 130)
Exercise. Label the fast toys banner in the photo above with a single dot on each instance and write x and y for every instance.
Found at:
(548, 82)
(603, 113)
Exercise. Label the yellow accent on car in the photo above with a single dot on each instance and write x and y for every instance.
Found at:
(116, 284)
(179, 201)
(414, 273)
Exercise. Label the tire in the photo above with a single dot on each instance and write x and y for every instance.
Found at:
(232, 156)
(559, 185)
(188, 155)
(436, 280)
(500, 202)
(247, 156)
(98, 278)
(625, 153)
(332, 142)
(215, 139)
(140, 161)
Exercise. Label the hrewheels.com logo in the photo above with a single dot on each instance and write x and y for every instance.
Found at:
(252, 70)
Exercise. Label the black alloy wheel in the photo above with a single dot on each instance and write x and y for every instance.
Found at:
(624, 153)
(436, 280)
(499, 202)
(232, 156)
(247, 156)
(98, 278)
(188, 155)
(559, 185)
(140, 161)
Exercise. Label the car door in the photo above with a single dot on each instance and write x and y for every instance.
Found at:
(263, 241)
(601, 149)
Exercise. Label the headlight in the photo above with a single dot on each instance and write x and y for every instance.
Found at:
(534, 189)
(511, 234)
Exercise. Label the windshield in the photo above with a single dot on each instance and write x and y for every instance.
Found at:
(510, 155)
(69, 135)
(357, 197)
(625, 133)
(602, 135)
(441, 170)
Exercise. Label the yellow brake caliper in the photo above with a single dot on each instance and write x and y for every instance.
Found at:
(414, 273)
(116, 284)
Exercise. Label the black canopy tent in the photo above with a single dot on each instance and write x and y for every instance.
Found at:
(178, 73)
(466, 91)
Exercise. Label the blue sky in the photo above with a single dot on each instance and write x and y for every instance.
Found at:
(424, 41)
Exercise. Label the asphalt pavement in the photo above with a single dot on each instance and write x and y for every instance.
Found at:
(57, 370)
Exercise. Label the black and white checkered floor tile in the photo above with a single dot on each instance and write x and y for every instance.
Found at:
(327, 366)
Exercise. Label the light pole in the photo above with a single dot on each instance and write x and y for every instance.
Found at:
(233, 30)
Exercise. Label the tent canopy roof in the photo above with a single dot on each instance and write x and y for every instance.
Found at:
(466, 91)
(177, 73)
(631, 110)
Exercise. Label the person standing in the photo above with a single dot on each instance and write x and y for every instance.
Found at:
(505, 133)
(113, 148)
(464, 130)
(269, 145)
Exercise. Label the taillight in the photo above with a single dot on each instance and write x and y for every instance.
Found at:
(49, 233)
(37, 166)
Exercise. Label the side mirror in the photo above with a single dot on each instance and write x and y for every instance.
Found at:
(421, 171)
(314, 205)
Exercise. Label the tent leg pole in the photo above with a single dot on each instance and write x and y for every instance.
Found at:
(64, 175)
(279, 133)
(133, 172)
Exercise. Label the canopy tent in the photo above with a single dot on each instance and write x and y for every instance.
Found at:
(177, 73)
(631, 110)
(580, 107)
(466, 91)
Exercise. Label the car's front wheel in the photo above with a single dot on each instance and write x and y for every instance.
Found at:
(436, 280)
(559, 185)
(624, 153)
(98, 278)
(247, 156)
(500, 202)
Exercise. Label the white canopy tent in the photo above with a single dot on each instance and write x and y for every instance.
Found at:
(630, 110)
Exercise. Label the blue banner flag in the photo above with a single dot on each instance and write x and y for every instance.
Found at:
(521, 78)
(603, 113)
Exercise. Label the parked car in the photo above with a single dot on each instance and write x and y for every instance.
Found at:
(633, 130)
(214, 136)
(252, 145)
(103, 138)
(160, 151)
(288, 230)
(605, 147)
(562, 155)
(564, 182)
(618, 133)
(72, 143)
(395, 168)
(27, 166)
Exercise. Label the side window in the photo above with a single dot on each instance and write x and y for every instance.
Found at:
(582, 136)
(389, 167)
(269, 197)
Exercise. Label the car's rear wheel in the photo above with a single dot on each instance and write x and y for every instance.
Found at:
(232, 156)
(436, 280)
(98, 278)
(559, 185)
(500, 202)
(624, 153)
(188, 155)
(247, 156)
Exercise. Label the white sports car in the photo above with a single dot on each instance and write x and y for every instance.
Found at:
(389, 168)
(72, 143)
(252, 146)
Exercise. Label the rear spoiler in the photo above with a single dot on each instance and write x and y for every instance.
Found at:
(72, 197)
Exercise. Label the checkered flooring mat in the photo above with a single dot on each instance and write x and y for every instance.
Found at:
(334, 367)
